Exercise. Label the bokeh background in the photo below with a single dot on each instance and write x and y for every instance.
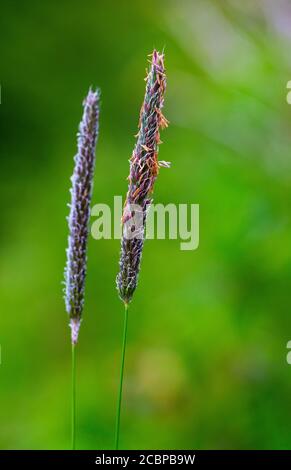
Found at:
(206, 361)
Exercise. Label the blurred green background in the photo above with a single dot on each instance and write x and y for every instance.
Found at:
(206, 361)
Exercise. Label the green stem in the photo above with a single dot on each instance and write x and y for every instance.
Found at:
(73, 396)
(121, 377)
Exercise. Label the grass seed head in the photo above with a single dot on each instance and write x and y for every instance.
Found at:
(144, 169)
(78, 220)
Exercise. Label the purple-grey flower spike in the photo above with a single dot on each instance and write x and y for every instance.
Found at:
(82, 182)
(144, 168)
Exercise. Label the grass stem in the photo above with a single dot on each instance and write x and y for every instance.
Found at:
(73, 396)
(119, 401)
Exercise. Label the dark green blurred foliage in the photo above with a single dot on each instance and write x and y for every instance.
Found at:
(206, 363)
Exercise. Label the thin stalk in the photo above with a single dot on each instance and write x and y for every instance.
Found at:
(119, 401)
(73, 396)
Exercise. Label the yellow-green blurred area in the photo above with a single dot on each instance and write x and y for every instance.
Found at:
(206, 360)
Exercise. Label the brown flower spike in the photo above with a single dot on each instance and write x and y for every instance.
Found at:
(144, 169)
